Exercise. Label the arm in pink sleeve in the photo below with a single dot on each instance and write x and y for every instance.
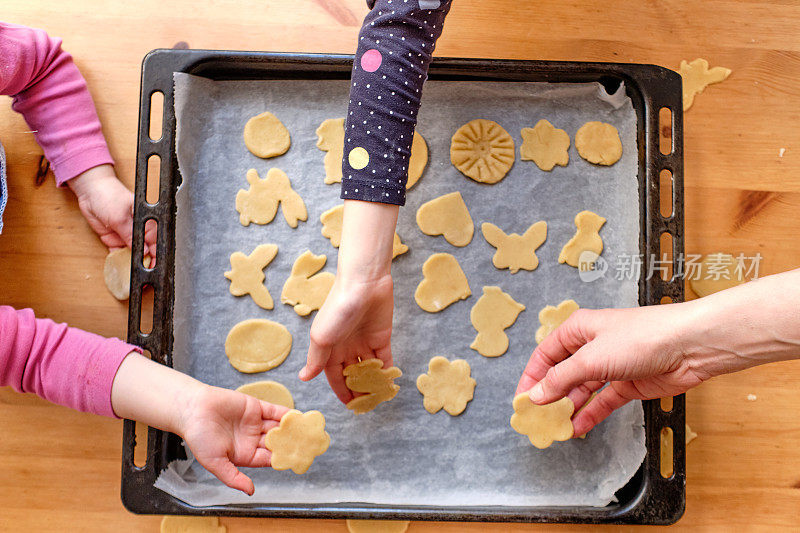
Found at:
(64, 365)
(53, 98)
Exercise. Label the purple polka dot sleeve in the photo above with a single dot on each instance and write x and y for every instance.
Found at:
(390, 67)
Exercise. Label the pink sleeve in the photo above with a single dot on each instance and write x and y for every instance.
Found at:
(64, 365)
(53, 98)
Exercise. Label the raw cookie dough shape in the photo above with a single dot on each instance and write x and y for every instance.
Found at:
(542, 424)
(697, 76)
(482, 150)
(260, 203)
(717, 272)
(297, 440)
(191, 524)
(306, 289)
(447, 216)
(418, 160)
(330, 138)
(443, 283)
(515, 251)
(266, 136)
(268, 391)
(551, 317)
(117, 272)
(377, 384)
(377, 526)
(447, 385)
(494, 311)
(586, 239)
(332, 230)
(257, 345)
(247, 274)
(545, 145)
(599, 143)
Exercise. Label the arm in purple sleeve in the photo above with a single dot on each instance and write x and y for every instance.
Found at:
(390, 68)
(52, 96)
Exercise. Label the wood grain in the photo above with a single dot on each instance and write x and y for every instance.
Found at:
(59, 470)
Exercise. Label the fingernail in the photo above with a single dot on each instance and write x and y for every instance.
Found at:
(536, 394)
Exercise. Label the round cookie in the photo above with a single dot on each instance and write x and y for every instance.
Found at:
(268, 391)
(599, 143)
(257, 345)
(266, 136)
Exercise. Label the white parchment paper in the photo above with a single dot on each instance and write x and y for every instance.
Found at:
(400, 454)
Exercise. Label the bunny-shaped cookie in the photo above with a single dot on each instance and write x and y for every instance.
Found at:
(306, 289)
(515, 251)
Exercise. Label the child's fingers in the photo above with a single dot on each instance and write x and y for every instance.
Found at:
(231, 476)
(316, 360)
(266, 426)
(271, 412)
(260, 459)
(337, 383)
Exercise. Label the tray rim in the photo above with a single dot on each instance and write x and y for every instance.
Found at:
(649, 86)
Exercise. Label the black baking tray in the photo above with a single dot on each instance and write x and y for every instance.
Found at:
(649, 498)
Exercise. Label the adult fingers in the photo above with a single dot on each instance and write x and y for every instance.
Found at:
(606, 402)
(384, 353)
(581, 394)
(559, 345)
(566, 375)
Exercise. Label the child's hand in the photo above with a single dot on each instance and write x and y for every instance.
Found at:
(356, 321)
(107, 205)
(225, 429)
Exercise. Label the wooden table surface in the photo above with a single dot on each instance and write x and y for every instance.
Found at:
(59, 470)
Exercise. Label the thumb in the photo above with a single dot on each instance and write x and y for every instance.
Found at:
(231, 476)
(565, 376)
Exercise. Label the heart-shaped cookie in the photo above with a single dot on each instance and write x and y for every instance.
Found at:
(443, 283)
(448, 216)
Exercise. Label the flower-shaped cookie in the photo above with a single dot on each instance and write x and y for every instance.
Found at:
(447, 385)
(298, 439)
(545, 145)
(542, 424)
(376, 382)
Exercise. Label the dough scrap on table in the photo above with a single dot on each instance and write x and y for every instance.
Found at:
(377, 526)
(697, 76)
(247, 274)
(551, 317)
(447, 385)
(542, 424)
(330, 138)
(482, 150)
(716, 272)
(377, 384)
(257, 345)
(599, 143)
(266, 136)
(586, 239)
(259, 204)
(306, 288)
(268, 391)
(418, 160)
(515, 251)
(690, 435)
(447, 216)
(332, 230)
(494, 311)
(297, 441)
(545, 145)
(117, 272)
(443, 283)
(191, 524)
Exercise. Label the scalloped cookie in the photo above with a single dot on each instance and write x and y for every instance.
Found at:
(447, 385)
(543, 424)
(297, 441)
(545, 145)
